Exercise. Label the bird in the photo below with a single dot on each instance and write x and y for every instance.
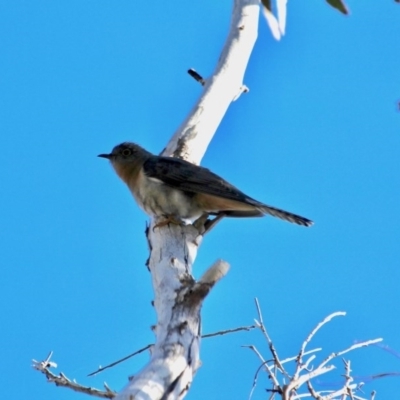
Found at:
(182, 192)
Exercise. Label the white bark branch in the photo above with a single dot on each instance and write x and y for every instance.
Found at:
(173, 249)
(191, 140)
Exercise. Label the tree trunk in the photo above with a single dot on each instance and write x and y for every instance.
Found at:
(175, 355)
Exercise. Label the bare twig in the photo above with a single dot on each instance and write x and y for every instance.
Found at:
(205, 336)
(384, 375)
(322, 368)
(264, 363)
(304, 372)
(270, 344)
(196, 76)
(351, 348)
(255, 382)
(313, 393)
(121, 360)
(242, 89)
(305, 354)
(271, 374)
(316, 329)
(373, 393)
(62, 380)
(388, 349)
(295, 383)
(225, 332)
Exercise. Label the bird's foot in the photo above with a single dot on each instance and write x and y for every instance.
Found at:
(204, 225)
(169, 219)
(200, 223)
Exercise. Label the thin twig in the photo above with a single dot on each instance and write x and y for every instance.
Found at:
(312, 391)
(317, 328)
(309, 338)
(388, 349)
(270, 344)
(196, 76)
(305, 354)
(351, 348)
(121, 360)
(207, 335)
(384, 375)
(241, 328)
(304, 373)
(255, 382)
(271, 375)
(373, 393)
(295, 383)
(349, 379)
(62, 380)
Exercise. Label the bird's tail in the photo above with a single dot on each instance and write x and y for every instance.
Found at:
(285, 215)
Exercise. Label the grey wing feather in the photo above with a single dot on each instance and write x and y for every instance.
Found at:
(193, 178)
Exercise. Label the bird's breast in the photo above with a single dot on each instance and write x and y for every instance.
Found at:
(158, 199)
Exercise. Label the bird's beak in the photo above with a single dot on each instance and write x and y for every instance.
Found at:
(108, 156)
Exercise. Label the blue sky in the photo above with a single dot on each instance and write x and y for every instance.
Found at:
(318, 134)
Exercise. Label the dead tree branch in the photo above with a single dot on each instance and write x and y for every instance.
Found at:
(292, 387)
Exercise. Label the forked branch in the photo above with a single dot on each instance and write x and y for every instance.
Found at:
(299, 384)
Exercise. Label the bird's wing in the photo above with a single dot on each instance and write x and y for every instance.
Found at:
(213, 189)
(188, 177)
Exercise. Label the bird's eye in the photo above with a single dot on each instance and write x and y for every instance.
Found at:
(126, 152)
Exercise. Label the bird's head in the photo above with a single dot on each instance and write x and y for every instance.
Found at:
(125, 153)
(127, 158)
